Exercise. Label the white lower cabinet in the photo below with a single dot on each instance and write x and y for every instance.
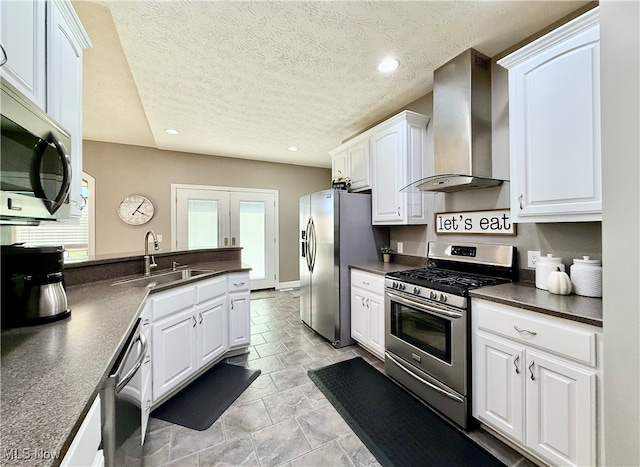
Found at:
(85, 448)
(542, 397)
(194, 325)
(239, 312)
(367, 311)
(174, 351)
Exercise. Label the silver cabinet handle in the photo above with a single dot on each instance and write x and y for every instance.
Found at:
(363, 302)
(238, 284)
(200, 321)
(515, 363)
(232, 304)
(399, 211)
(233, 241)
(367, 303)
(525, 331)
(365, 283)
(226, 241)
(531, 370)
(195, 322)
(520, 200)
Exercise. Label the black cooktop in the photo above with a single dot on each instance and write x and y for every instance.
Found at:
(446, 280)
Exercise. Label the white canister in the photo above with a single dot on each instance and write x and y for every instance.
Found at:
(586, 275)
(544, 266)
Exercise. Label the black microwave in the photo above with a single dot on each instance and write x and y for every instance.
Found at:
(35, 162)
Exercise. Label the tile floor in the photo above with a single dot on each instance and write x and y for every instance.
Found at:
(282, 418)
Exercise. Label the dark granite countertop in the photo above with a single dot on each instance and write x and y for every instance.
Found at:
(52, 372)
(381, 268)
(527, 296)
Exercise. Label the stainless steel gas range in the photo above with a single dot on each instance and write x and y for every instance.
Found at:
(427, 323)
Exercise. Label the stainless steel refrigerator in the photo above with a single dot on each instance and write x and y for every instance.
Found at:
(335, 231)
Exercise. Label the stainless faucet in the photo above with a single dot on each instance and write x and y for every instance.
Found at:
(149, 261)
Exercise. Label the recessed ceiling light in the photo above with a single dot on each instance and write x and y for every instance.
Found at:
(292, 148)
(388, 65)
(171, 131)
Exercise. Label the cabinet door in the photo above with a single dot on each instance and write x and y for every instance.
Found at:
(561, 410)
(64, 93)
(554, 120)
(388, 168)
(174, 351)
(145, 371)
(358, 318)
(339, 165)
(375, 323)
(498, 384)
(358, 160)
(239, 320)
(212, 330)
(23, 34)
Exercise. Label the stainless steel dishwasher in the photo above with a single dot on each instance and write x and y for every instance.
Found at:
(122, 395)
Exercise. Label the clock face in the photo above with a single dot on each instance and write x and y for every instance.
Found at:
(136, 210)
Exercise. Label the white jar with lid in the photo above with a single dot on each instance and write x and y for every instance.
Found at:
(544, 266)
(586, 275)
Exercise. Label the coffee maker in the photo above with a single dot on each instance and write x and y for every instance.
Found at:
(32, 285)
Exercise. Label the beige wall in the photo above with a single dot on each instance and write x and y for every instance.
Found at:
(620, 78)
(121, 170)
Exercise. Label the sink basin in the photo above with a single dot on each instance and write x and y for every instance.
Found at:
(161, 278)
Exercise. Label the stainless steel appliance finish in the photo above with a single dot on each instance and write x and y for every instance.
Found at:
(121, 404)
(32, 285)
(427, 322)
(36, 167)
(461, 125)
(335, 231)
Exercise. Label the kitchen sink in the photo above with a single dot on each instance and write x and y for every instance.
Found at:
(162, 278)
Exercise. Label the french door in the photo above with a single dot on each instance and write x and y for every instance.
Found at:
(210, 217)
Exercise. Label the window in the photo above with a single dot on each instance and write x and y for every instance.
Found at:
(77, 239)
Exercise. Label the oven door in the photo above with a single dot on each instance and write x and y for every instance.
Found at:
(430, 337)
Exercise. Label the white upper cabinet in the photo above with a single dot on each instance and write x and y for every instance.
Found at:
(554, 125)
(43, 41)
(397, 149)
(64, 86)
(23, 35)
(352, 160)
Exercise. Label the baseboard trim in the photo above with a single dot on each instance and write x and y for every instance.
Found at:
(288, 285)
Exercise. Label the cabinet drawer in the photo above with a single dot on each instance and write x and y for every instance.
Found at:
(173, 301)
(574, 341)
(368, 281)
(238, 282)
(206, 290)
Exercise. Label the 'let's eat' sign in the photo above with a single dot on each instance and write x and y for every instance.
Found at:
(493, 222)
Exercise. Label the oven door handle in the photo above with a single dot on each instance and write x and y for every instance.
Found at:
(423, 381)
(425, 307)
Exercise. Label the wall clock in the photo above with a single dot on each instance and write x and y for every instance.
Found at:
(136, 210)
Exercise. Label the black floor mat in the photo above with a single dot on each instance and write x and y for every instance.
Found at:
(201, 403)
(397, 429)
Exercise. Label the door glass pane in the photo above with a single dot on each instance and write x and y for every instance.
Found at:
(203, 223)
(252, 233)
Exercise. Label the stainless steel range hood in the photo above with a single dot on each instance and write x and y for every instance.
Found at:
(461, 126)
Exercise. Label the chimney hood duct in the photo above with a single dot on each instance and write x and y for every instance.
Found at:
(461, 126)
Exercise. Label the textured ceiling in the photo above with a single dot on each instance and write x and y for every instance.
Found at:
(249, 79)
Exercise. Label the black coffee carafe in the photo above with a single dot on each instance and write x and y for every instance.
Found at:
(32, 285)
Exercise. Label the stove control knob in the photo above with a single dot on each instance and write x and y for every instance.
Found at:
(394, 285)
(443, 297)
(416, 290)
(402, 286)
(433, 295)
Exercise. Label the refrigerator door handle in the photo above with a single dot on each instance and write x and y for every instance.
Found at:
(309, 243)
(312, 245)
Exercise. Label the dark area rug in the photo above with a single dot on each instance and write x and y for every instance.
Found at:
(398, 429)
(201, 403)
